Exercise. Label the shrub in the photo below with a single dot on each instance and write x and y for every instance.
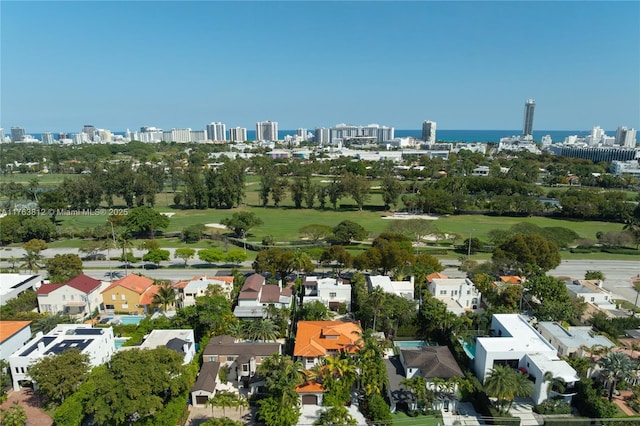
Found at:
(553, 406)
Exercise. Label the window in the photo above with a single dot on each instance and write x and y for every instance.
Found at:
(113, 297)
(125, 306)
(443, 292)
(454, 292)
(123, 297)
(64, 297)
(468, 291)
(245, 367)
(332, 295)
(593, 299)
(72, 297)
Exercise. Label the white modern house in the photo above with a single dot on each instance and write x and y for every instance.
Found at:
(13, 336)
(570, 341)
(591, 291)
(79, 296)
(181, 341)
(256, 295)
(332, 292)
(11, 285)
(518, 344)
(399, 288)
(459, 294)
(197, 287)
(98, 343)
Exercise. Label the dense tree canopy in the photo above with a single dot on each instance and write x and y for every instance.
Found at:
(527, 253)
(60, 375)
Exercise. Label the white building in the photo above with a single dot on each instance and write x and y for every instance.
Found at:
(591, 291)
(177, 135)
(626, 137)
(256, 295)
(517, 344)
(429, 131)
(570, 340)
(459, 294)
(332, 292)
(47, 137)
(399, 288)
(181, 341)
(98, 343)
(238, 134)
(323, 136)
(625, 168)
(216, 131)
(13, 336)
(197, 287)
(267, 131)
(11, 285)
(79, 296)
(198, 136)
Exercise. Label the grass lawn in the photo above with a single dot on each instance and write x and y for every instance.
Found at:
(400, 418)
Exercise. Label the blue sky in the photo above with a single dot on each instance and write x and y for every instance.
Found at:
(466, 65)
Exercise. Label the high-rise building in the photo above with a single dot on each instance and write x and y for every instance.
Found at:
(626, 137)
(176, 135)
(90, 130)
(216, 131)
(429, 131)
(238, 134)
(267, 131)
(18, 134)
(323, 136)
(47, 137)
(527, 127)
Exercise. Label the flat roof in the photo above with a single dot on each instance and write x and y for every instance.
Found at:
(520, 336)
(559, 368)
(575, 336)
(9, 282)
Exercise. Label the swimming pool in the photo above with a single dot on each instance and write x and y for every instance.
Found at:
(131, 319)
(119, 341)
(470, 350)
(410, 343)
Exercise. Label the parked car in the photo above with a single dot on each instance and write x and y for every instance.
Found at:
(96, 256)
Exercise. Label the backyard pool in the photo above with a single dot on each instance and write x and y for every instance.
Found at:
(119, 341)
(410, 344)
(469, 349)
(130, 319)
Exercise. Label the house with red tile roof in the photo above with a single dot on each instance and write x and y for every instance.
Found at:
(131, 294)
(256, 295)
(80, 296)
(13, 336)
(316, 340)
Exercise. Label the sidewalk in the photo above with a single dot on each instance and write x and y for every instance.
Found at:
(27, 400)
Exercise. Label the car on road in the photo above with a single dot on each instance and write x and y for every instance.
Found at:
(96, 256)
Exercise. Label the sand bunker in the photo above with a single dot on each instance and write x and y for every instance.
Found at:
(406, 216)
(215, 225)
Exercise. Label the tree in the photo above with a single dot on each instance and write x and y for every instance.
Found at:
(37, 228)
(222, 399)
(146, 221)
(335, 416)
(377, 410)
(185, 254)
(337, 256)
(550, 299)
(505, 384)
(32, 261)
(314, 311)
(615, 366)
(13, 416)
(5, 379)
(346, 231)
(526, 253)
(358, 187)
(418, 386)
(193, 233)
(60, 375)
(261, 330)
(156, 256)
(136, 384)
(316, 232)
(594, 275)
(471, 245)
(236, 257)
(241, 222)
(391, 190)
(63, 267)
(166, 295)
(212, 255)
(35, 245)
(282, 376)
(280, 262)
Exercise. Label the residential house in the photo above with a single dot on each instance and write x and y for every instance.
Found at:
(571, 341)
(332, 292)
(241, 358)
(518, 344)
(197, 287)
(126, 295)
(591, 291)
(256, 295)
(432, 362)
(12, 285)
(399, 288)
(317, 339)
(459, 294)
(181, 341)
(80, 296)
(98, 343)
(13, 336)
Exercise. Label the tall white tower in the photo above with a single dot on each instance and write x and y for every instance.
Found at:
(529, 108)
(429, 131)
(267, 131)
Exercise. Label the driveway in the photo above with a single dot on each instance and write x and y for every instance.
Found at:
(29, 401)
(310, 413)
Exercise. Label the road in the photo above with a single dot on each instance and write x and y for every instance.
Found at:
(619, 273)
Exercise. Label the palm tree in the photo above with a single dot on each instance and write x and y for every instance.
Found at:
(31, 261)
(376, 300)
(335, 416)
(418, 387)
(222, 400)
(615, 367)
(166, 295)
(262, 330)
(505, 384)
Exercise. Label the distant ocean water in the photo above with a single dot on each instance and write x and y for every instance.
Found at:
(442, 135)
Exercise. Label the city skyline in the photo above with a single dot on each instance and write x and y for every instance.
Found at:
(464, 65)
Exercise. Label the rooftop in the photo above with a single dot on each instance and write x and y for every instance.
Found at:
(574, 337)
(136, 283)
(315, 338)
(9, 328)
(518, 336)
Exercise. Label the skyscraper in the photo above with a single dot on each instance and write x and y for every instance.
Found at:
(47, 137)
(527, 127)
(17, 134)
(267, 131)
(216, 132)
(626, 137)
(429, 131)
(237, 134)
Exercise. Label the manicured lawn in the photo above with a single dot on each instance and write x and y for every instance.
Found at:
(400, 418)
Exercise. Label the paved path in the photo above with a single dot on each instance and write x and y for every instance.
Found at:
(27, 400)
